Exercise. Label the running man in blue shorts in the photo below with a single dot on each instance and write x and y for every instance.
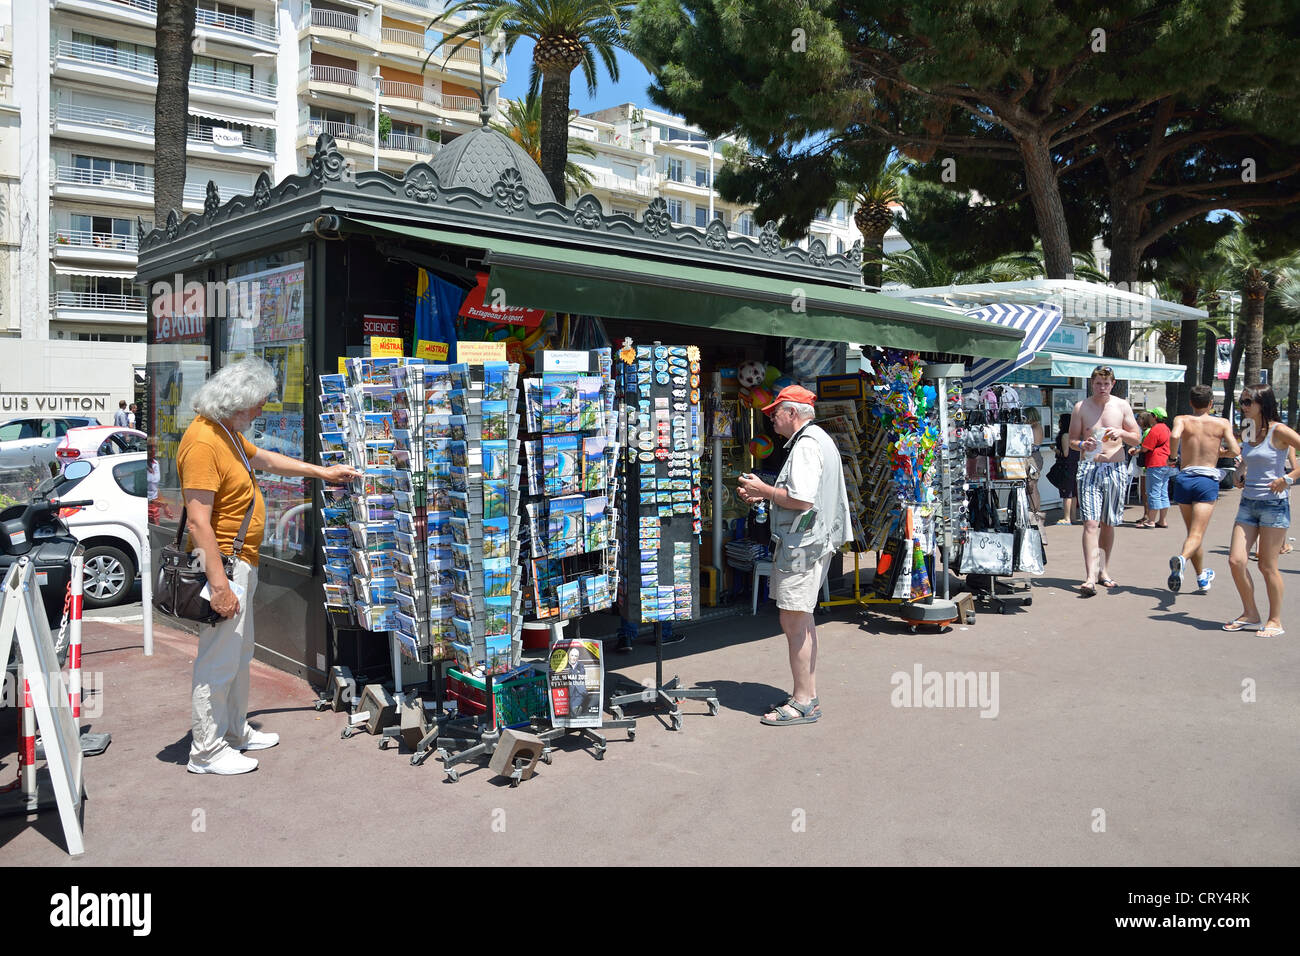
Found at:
(1100, 427)
(1196, 442)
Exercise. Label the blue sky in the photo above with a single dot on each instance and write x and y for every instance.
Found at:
(631, 87)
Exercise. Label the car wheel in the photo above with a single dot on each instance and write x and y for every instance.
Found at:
(109, 575)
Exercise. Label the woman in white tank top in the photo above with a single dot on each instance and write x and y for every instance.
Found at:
(1264, 513)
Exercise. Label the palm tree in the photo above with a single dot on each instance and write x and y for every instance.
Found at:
(174, 55)
(524, 125)
(1254, 276)
(876, 198)
(1287, 296)
(919, 267)
(1183, 278)
(568, 34)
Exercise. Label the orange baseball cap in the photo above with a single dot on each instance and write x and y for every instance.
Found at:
(791, 393)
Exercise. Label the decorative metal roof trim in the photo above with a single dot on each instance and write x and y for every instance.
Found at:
(510, 210)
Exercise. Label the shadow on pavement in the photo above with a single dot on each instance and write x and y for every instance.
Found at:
(747, 697)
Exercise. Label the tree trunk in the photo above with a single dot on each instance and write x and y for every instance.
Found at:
(1209, 358)
(1124, 259)
(1049, 211)
(1187, 357)
(873, 254)
(1252, 320)
(174, 52)
(1292, 387)
(555, 130)
(1230, 386)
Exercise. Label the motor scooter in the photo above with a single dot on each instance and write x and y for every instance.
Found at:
(36, 531)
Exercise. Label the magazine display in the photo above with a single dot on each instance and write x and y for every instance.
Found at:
(576, 683)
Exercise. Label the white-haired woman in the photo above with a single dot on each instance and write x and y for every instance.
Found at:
(222, 506)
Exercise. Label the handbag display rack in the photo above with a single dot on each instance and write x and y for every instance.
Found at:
(999, 540)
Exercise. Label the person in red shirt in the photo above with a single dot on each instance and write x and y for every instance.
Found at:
(1156, 445)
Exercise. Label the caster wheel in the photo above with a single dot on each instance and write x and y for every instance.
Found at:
(443, 755)
(452, 776)
(600, 754)
(320, 705)
(347, 732)
(713, 708)
(912, 629)
(617, 712)
(514, 782)
(417, 759)
(546, 759)
(631, 734)
(677, 723)
(383, 743)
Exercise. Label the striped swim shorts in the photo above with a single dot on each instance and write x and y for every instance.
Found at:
(1101, 491)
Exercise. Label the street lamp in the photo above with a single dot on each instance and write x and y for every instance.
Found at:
(378, 79)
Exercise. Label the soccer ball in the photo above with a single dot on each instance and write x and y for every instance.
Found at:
(751, 373)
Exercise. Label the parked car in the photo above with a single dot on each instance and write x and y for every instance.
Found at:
(95, 441)
(118, 484)
(24, 464)
(41, 427)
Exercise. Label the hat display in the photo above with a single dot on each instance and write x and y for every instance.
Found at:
(791, 393)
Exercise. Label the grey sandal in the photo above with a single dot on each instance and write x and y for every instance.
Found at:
(815, 703)
(807, 714)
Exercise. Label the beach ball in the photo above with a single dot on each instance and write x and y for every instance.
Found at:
(758, 397)
(771, 375)
(750, 374)
(761, 446)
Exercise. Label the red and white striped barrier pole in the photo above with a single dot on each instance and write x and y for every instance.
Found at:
(74, 636)
(27, 741)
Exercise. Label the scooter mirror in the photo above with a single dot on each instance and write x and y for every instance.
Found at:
(77, 470)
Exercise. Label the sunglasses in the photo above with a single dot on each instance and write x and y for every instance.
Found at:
(1246, 402)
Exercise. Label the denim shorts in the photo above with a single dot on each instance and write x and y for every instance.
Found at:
(1264, 512)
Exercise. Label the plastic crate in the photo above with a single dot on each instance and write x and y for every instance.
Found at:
(518, 699)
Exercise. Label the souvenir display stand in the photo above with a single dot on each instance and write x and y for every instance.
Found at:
(572, 528)
(1000, 540)
(659, 387)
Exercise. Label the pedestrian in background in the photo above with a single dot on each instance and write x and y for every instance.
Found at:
(1264, 513)
(130, 417)
(120, 417)
(1067, 480)
(1156, 445)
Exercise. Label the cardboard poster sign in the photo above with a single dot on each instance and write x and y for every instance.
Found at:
(576, 685)
(381, 325)
(432, 351)
(381, 345)
(480, 353)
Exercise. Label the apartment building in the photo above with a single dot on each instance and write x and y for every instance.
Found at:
(369, 76)
(76, 150)
(643, 154)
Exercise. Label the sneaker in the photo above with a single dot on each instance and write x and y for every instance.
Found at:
(1176, 565)
(228, 763)
(257, 740)
(1204, 580)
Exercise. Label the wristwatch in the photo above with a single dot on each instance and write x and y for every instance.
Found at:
(1289, 480)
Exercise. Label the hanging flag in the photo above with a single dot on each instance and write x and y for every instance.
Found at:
(436, 304)
(1223, 357)
(1038, 322)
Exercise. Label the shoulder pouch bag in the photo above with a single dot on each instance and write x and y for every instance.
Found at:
(181, 577)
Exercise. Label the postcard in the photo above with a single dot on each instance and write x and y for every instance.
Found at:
(570, 599)
(496, 537)
(496, 424)
(496, 614)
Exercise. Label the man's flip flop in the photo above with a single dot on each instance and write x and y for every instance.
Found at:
(1088, 590)
(807, 715)
(1238, 624)
(1108, 583)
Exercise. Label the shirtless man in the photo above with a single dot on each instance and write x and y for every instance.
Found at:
(1196, 442)
(1100, 427)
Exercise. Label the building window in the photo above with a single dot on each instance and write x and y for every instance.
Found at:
(676, 169)
(97, 169)
(839, 245)
(225, 9)
(676, 209)
(745, 224)
(223, 73)
(701, 176)
(106, 337)
(701, 216)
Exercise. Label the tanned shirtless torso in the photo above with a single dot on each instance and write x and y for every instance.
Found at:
(1100, 427)
(1197, 441)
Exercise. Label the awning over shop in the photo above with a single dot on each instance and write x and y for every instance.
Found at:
(233, 120)
(1081, 364)
(67, 270)
(623, 287)
(1037, 322)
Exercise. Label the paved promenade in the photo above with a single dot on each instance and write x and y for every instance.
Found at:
(1118, 734)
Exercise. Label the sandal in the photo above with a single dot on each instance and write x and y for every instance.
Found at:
(1270, 632)
(1160, 526)
(807, 714)
(1237, 624)
(815, 702)
(1107, 582)
(1143, 524)
(1088, 590)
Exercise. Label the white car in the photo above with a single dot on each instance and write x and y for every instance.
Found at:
(98, 440)
(118, 484)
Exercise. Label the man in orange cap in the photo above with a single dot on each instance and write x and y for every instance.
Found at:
(810, 522)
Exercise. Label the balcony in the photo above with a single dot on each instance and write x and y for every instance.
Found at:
(105, 64)
(134, 12)
(98, 301)
(72, 182)
(463, 104)
(363, 136)
(358, 84)
(409, 91)
(601, 179)
(73, 245)
(202, 77)
(242, 26)
(255, 141)
(406, 38)
(336, 20)
(410, 143)
(93, 125)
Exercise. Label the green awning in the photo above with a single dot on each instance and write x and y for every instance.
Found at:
(562, 279)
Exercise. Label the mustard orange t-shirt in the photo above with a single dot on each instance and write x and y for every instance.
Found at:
(208, 461)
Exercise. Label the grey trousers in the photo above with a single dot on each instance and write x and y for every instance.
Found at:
(219, 697)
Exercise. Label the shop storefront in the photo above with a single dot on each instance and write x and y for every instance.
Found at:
(306, 271)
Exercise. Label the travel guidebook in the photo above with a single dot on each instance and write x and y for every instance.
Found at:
(576, 682)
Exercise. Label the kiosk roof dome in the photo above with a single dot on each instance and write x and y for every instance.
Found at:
(477, 159)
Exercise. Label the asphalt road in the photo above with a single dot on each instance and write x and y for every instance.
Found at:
(1123, 729)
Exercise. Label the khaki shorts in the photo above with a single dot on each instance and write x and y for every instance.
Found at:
(800, 590)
